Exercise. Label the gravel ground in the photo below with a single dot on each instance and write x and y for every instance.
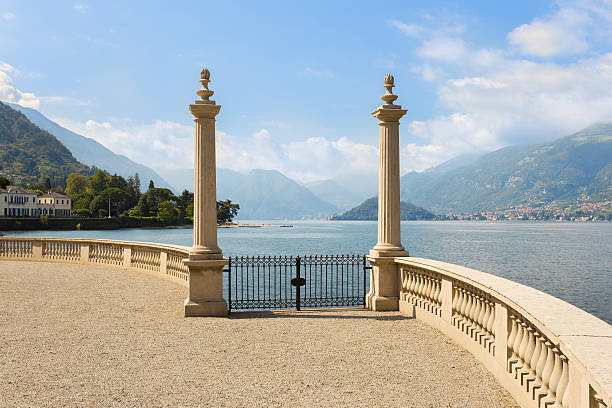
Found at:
(74, 335)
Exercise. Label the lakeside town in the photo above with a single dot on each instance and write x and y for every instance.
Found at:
(579, 211)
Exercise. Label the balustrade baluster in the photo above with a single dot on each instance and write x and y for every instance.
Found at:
(522, 348)
(556, 375)
(512, 342)
(561, 397)
(533, 363)
(525, 370)
(548, 369)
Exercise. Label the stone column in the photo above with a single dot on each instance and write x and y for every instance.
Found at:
(206, 260)
(384, 288)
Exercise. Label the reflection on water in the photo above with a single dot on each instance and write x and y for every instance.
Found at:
(572, 261)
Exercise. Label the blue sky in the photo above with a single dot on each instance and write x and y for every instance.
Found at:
(298, 80)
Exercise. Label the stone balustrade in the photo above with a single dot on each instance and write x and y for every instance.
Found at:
(544, 351)
(161, 260)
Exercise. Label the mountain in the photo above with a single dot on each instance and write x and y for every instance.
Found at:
(262, 194)
(335, 193)
(29, 154)
(268, 194)
(90, 152)
(554, 172)
(368, 210)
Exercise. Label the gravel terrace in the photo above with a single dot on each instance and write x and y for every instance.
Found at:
(81, 335)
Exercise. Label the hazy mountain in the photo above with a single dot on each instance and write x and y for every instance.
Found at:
(345, 191)
(262, 194)
(90, 152)
(335, 193)
(368, 210)
(29, 154)
(268, 194)
(557, 171)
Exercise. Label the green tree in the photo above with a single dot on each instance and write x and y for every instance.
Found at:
(76, 184)
(149, 201)
(4, 182)
(183, 201)
(97, 183)
(167, 213)
(47, 184)
(118, 199)
(226, 211)
(151, 185)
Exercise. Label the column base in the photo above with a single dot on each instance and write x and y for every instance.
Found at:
(383, 303)
(205, 309)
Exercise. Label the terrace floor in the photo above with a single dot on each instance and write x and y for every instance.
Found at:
(83, 335)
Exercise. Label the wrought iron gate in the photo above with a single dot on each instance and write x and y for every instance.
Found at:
(287, 282)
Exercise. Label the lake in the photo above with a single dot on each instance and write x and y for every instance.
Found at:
(572, 261)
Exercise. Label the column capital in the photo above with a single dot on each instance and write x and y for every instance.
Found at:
(388, 114)
(204, 111)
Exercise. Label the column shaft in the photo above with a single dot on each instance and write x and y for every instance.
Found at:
(205, 201)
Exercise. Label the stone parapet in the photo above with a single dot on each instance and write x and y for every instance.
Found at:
(543, 350)
(165, 261)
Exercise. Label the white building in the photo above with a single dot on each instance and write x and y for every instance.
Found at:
(17, 202)
(55, 205)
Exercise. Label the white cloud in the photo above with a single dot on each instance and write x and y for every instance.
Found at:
(158, 144)
(447, 49)
(8, 92)
(311, 159)
(562, 34)
(490, 98)
(317, 73)
(410, 30)
(9, 16)
(166, 145)
(81, 8)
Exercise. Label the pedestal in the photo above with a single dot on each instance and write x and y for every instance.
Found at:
(384, 284)
(205, 288)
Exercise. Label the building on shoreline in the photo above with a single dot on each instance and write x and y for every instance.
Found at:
(17, 202)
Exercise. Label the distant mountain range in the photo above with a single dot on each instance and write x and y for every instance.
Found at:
(29, 154)
(92, 153)
(368, 210)
(269, 195)
(563, 170)
(560, 171)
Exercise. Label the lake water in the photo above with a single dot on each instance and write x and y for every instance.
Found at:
(572, 261)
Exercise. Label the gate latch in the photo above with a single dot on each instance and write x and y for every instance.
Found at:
(298, 282)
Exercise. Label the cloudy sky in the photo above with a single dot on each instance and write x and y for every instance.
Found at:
(298, 80)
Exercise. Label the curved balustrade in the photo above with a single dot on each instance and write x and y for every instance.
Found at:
(546, 352)
(160, 260)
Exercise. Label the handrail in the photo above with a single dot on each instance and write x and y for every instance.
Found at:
(544, 351)
(161, 260)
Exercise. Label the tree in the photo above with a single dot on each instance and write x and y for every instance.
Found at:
(151, 185)
(226, 211)
(47, 185)
(76, 184)
(97, 183)
(4, 182)
(137, 183)
(119, 201)
(167, 213)
(149, 201)
(183, 201)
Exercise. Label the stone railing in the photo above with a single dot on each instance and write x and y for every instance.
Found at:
(544, 351)
(164, 261)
